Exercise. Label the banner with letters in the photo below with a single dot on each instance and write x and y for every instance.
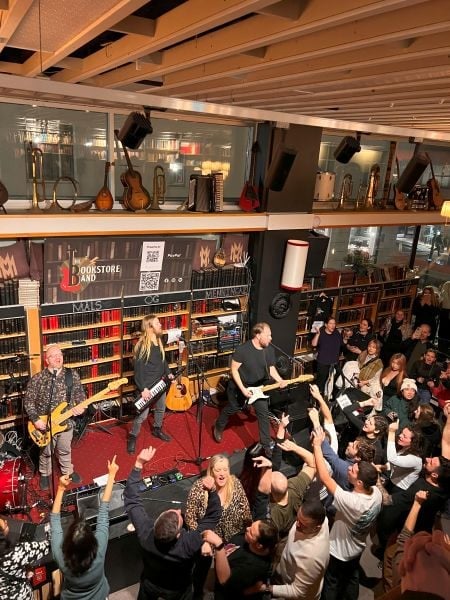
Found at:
(105, 267)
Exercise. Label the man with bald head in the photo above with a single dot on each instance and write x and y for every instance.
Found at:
(286, 495)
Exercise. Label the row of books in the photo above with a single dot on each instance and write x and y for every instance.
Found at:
(9, 292)
(211, 277)
(13, 325)
(99, 370)
(80, 319)
(157, 309)
(81, 354)
(12, 345)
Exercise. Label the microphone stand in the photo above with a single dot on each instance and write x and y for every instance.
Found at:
(292, 359)
(200, 379)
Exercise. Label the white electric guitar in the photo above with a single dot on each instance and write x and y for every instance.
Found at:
(258, 392)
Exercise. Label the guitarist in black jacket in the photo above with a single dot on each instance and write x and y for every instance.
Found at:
(253, 364)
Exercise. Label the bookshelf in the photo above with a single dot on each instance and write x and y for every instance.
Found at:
(14, 362)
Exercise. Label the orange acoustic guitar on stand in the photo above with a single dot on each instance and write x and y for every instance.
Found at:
(179, 397)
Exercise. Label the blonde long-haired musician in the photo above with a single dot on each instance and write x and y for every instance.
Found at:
(150, 366)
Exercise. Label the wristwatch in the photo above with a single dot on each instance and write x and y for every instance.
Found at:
(221, 546)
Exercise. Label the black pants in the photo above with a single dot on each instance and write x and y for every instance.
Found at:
(323, 372)
(341, 580)
(150, 591)
(235, 404)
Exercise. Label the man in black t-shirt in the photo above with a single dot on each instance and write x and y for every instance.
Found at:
(253, 364)
(243, 564)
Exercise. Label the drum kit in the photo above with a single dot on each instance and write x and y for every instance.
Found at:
(12, 481)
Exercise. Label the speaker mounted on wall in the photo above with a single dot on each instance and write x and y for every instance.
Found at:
(280, 168)
(347, 148)
(134, 130)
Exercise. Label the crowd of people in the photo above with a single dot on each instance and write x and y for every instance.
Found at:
(376, 471)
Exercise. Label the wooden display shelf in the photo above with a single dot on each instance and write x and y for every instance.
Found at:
(80, 327)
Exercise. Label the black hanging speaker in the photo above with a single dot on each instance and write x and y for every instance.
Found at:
(279, 168)
(413, 171)
(346, 149)
(134, 130)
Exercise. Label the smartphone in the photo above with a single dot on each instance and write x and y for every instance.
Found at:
(230, 548)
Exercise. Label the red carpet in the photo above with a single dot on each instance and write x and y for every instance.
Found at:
(91, 453)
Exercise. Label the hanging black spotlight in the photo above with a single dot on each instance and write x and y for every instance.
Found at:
(135, 128)
(347, 148)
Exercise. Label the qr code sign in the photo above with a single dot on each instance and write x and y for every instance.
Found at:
(149, 281)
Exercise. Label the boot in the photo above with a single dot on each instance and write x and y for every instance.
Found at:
(159, 433)
(217, 434)
(131, 444)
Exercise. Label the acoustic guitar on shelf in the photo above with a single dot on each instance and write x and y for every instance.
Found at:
(399, 198)
(435, 195)
(135, 196)
(258, 392)
(104, 200)
(179, 397)
(60, 415)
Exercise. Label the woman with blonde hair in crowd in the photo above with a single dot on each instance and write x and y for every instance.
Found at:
(425, 309)
(235, 507)
(235, 516)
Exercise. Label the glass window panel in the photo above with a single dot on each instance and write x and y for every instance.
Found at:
(183, 148)
(69, 142)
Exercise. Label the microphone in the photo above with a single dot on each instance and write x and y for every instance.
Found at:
(54, 373)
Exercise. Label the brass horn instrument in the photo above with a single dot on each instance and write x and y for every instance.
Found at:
(36, 154)
(159, 188)
(372, 188)
(346, 191)
(56, 205)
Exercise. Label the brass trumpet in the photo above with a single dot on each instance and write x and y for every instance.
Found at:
(36, 154)
(159, 188)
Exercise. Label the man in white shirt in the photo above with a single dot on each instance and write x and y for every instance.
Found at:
(305, 557)
(356, 511)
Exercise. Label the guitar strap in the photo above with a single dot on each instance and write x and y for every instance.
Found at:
(68, 376)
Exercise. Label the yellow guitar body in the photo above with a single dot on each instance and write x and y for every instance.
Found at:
(60, 415)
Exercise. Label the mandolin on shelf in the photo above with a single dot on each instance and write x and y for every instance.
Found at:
(104, 200)
(179, 398)
(135, 196)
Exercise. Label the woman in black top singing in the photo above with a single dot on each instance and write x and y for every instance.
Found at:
(150, 366)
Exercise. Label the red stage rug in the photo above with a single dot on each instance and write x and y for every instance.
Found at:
(91, 453)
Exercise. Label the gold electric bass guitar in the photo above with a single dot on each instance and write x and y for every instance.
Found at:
(58, 417)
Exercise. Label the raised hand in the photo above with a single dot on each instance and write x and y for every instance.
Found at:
(113, 467)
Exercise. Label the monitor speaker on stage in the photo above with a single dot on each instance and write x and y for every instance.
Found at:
(280, 168)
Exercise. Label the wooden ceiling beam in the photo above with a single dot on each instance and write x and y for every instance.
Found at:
(136, 26)
(120, 10)
(11, 19)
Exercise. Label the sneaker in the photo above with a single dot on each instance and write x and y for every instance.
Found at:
(131, 444)
(75, 478)
(44, 482)
(159, 433)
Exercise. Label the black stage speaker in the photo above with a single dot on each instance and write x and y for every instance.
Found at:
(413, 171)
(280, 168)
(318, 246)
(88, 506)
(25, 531)
(134, 130)
(346, 149)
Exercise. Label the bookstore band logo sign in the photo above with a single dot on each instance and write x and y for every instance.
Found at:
(105, 268)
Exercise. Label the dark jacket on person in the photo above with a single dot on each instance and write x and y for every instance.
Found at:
(168, 568)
